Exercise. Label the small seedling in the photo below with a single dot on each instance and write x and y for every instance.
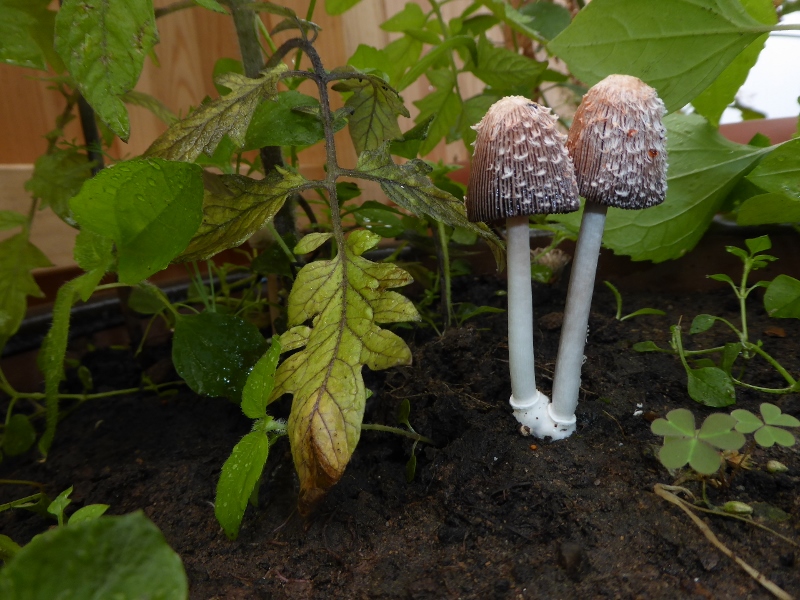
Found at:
(618, 298)
(712, 382)
(768, 430)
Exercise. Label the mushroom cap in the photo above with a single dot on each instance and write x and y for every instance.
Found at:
(521, 165)
(617, 143)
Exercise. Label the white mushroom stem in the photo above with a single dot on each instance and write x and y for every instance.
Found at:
(567, 379)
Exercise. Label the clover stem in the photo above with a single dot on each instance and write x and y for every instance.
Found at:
(567, 379)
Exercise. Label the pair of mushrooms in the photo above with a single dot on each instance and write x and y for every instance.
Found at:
(614, 156)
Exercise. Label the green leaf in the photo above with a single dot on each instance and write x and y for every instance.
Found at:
(404, 412)
(437, 53)
(723, 278)
(229, 115)
(18, 257)
(746, 422)
(379, 218)
(730, 353)
(715, 98)
(773, 416)
(311, 242)
(212, 5)
(702, 323)
(717, 430)
(88, 513)
(411, 17)
(26, 34)
(703, 168)
(346, 299)
(504, 69)
(648, 346)
(375, 107)
(444, 106)
(768, 436)
(710, 386)
(60, 504)
(103, 45)
(235, 207)
(239, 477)
(11, 219)
(261, 381)
(779, 172)
(760, 244)
(679, 423)
(549, 18)
(150, 103)
(214, 353)
(18, 435)
(705, 459)
(150, 207)
(782, 298)
(57, 177)
(408, 186)
(95, 255)
(675, 453)
(147, 299)
(515, 19)
(677, 46)
(337, 7)
(279, 123)
(8, 548)
(766, 209)
(112, 557)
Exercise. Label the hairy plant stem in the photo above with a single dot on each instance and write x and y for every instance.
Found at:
(443, 252)
(398, 431)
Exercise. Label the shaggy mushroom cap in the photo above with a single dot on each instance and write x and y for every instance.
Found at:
(521, 165)
(617, 142)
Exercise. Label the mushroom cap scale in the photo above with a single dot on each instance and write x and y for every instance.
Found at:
(521, 165)
(617, 143)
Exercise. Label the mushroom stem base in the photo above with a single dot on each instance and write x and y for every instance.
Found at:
(536, 418)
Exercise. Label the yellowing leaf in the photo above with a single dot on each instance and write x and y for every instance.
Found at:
(202, 130)
(235, 207)
(345, 299)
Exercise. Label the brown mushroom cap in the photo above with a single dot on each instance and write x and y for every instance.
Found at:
(617, 142)
(521, 165)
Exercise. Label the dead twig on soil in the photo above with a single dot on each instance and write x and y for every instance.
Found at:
(662, 490)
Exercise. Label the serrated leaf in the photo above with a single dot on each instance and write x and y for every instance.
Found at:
(57, 177)
(779, 172)
(408, 186)
(702, 323)
(346, 298)
(710, 386)
(18, 257)
(230, 115)
(548, 18)
(375, 107)
(239, 477)
(766, 209)
(279, 122)
(235, 207)
(10, 219)
(444, 106)
(150, 103)
(214, 353)
(261, 381)
(18, 435)
(104, 44)
(714, 99)
(150, 207)
(112, 557)
(782, 298)
(311, 242)
(411, 17)
(424, 64)
(703, 168)
(677, 46)
(502, 68)
(26, 33)
(512, 17)
(88, 513)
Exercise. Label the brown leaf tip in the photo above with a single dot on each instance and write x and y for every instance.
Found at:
(618, 144)
(521, 165)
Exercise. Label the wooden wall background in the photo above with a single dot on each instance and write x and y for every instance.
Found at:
(191, 41)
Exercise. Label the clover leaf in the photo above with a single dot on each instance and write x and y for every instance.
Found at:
(767, 430)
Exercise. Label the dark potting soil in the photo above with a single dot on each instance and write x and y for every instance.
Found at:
(490, 513)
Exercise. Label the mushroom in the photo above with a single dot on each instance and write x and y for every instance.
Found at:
(617, 143)
(520, 167)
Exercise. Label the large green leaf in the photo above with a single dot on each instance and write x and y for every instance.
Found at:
(280, 123)
(26, 33)
(764, 209)
(346, 299)
(57, 177)
(150, 207)
(228, 115)
(375, 107)
(238, 479)
(214, 353)
(677, 46)
(779, 172)
(125, 558)
(18, 257)
(504, 69)
(103, 44)
(444, 107)
(715, 98)
(703, 168)
(408, 186)
(235, 207)
(782, 298)
(549, 18)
